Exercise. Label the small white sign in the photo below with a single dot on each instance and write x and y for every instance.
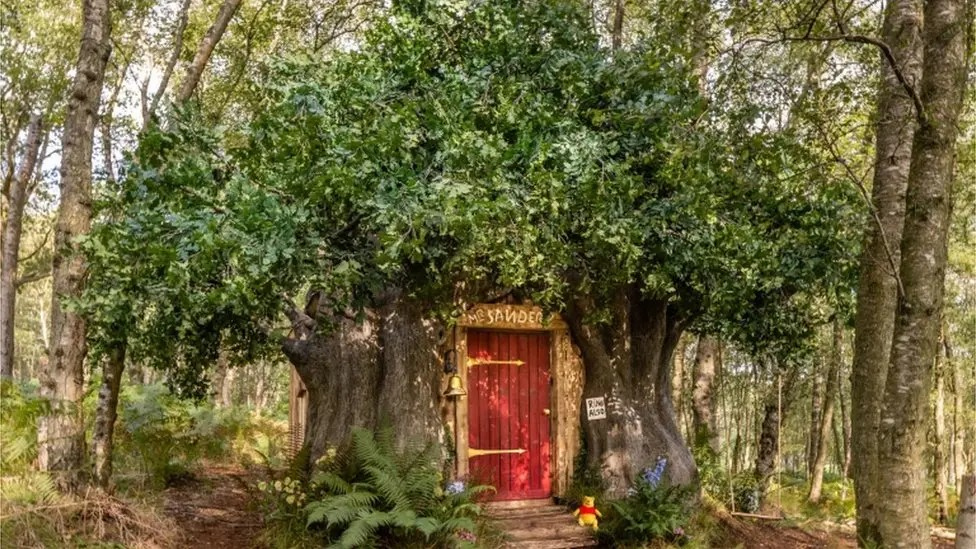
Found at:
(596, 408)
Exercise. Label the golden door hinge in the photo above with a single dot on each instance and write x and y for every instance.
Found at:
(475, 452)
(472, 361)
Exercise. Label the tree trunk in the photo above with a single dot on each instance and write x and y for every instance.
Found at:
(941, 464)
(901, 445)
(774, 414)
(17, 195)
(966, 522)
(380, 371)
(816, 411)
(845, 417)
(677, 382)
(827, 417)
(61, 432)
(174, 56)
(958, 409)
(877, 288)
(206, 48)
(105, 416)
(707, 364)
(627, 362)
(617, 32)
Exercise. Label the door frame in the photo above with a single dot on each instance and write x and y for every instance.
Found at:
(565, 392)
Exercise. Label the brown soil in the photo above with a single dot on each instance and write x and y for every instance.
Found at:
(763, 534)
(214, 509)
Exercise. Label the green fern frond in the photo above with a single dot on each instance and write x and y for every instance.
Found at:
(390, 486)
(362, 528)
(455, 524)
(332, 482)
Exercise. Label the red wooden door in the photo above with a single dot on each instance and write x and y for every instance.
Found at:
(508, 412)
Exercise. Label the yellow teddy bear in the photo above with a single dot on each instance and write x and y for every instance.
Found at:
(587, 513)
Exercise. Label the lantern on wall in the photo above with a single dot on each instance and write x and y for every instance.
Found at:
(455, 388)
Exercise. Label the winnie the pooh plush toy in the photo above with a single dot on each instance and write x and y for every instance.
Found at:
(587, 513)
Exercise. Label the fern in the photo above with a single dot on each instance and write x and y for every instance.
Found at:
(371, 494)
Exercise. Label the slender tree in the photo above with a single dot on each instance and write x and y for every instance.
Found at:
(827, 415)
(16, 195)
(206, 47)
(61, 431)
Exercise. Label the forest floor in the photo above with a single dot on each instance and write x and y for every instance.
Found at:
(763, 534)
(215, 510)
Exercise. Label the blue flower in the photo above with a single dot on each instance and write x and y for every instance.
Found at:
(455, 487)
(653, 476)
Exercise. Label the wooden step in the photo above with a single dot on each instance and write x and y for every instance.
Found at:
(572, 543)
(518, 504)
(539, 524)
(548, 511)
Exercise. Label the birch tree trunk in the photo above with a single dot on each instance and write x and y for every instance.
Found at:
(206, 48)
(901, 445)
(61, 432)
(966, 523)
(938, 425)
(16, 195)
(677, 382)
(958, 441)
(816, 411)
(877, 287)
(827, 416)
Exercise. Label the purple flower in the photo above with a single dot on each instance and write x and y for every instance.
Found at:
(679, 531)
(465, 535)
(455, 487)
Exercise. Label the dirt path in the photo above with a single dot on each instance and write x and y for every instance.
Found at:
(751, 534)
(213, 510)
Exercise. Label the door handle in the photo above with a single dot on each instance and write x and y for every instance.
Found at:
(546, 411)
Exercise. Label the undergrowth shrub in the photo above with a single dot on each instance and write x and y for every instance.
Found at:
(652, 510)
(33, 513)
(162, 437)
(370, 495)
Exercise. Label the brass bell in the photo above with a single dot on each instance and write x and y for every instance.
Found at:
(454, 387)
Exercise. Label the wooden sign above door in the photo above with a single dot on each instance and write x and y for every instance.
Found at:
(518, 317)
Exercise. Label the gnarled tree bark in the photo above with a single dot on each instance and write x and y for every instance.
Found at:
(627, 361)
(379, 371)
